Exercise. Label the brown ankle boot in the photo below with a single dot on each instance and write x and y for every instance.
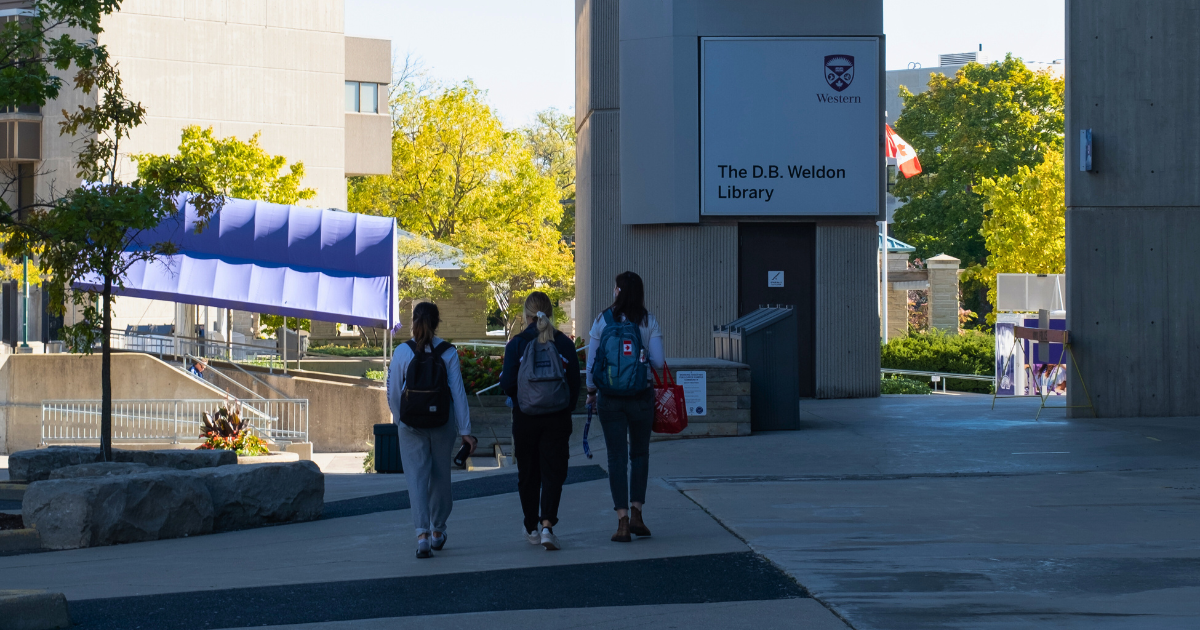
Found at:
(636, 526)
(622, 534)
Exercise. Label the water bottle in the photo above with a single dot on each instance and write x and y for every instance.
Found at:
(460, 459)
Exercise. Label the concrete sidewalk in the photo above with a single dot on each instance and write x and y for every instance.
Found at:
(895, 513)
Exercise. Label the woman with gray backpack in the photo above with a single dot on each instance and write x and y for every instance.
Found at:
(541, 376)
(625, 339)
(428, 402)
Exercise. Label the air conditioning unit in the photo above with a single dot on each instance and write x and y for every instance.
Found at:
(959, 59)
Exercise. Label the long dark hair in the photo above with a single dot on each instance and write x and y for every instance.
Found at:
(425, 322)
(631, 299)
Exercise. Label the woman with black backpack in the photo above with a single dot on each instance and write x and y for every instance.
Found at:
(625, 339)
(541, 375)
(426, 395)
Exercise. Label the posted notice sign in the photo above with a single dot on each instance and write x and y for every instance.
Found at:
(695, 391)
(790, 126)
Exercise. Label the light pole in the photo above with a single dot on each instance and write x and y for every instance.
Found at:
(25, 297)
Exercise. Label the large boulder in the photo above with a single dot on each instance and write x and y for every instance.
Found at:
(99, 469)
(93, 511)
(37, 464)
(178, 459)
(264, 494)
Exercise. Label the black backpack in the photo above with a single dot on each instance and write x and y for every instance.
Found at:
(425, 401)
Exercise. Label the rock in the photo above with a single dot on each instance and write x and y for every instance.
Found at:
(99, 469)
(33, 610)
(264, 494)
(37, 464)
(178, 459)
(94, 511)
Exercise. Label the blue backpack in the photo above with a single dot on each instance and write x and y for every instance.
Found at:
(619, 368)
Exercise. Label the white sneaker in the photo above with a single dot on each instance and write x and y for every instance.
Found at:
(533, 537)
(549, 540)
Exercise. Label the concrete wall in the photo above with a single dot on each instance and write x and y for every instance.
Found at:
(847, 310)
(28, 379)
(369, 136)
(1133, 266)
(341, 415)
(274, 66)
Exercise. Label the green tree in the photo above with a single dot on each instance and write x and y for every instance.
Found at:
(235, 168)
(987, 121)
(459, 178)
(1026, 227)
(97, 231)
(551, 140)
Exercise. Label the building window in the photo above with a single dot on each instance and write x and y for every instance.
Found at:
(368, 98)
(363, 97)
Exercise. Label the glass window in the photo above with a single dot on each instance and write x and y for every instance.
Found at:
(352, 96)
(368, 98)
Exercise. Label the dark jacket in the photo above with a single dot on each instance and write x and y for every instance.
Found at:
(512, 365)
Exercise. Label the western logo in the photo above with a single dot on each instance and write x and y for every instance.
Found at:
(839, 71)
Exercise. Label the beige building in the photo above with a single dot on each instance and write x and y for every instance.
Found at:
(284, 68)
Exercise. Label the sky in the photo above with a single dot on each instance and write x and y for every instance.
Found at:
(523, 51)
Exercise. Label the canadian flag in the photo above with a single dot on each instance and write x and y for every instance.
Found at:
(906, 156)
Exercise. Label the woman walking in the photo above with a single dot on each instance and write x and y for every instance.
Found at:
(623, 339)
(428, 401)
(541, 376)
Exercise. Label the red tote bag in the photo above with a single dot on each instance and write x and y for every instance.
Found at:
(670, 412)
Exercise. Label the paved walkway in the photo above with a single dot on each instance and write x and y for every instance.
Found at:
(892, 513)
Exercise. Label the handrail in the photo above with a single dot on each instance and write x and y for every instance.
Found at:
(969, 377)
(222, 375)
(259, 380)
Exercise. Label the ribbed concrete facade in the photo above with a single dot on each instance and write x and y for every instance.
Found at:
(1133, 223)
(847, 311)
(691, 271)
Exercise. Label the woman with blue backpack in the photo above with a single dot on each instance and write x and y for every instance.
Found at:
(624, 341)
(541, 376)
(429, 403)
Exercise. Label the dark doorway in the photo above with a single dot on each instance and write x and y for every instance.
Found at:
(777, 265)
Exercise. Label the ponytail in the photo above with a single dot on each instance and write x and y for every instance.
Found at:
(425, 322)
(539, 309)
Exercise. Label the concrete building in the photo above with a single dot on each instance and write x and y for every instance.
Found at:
(640, 204)
(1133, 219)
(282, 68)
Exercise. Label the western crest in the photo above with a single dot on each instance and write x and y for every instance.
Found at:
(839, 71)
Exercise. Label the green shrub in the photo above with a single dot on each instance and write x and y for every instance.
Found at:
(347, 351)
(936, 351)
(375, 375)
(480, 369)
(901, 385)
(369, 461)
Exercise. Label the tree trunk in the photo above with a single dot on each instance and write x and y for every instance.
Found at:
(106, 375)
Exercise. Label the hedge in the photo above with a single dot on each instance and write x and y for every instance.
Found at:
(971, 352)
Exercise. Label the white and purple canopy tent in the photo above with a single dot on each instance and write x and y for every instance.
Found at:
(262, 257)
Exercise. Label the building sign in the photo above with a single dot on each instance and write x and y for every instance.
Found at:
(790, 126)
(774, 278)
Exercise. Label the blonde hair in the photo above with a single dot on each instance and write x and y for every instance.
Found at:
(539, 309)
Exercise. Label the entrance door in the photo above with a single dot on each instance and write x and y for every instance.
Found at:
(777, 265)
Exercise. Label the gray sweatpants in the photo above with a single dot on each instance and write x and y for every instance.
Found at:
(426, 455)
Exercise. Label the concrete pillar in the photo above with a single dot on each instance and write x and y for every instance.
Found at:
(1133, 221)
(244, 323)
(943, 292)
(897, 299)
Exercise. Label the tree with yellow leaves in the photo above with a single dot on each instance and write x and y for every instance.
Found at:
(1025, 231)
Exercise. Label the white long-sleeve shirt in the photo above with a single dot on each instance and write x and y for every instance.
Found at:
(652, 341)
(398, 369)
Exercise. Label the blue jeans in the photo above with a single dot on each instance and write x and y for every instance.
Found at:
(630, 418)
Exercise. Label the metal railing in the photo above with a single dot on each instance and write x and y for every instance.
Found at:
(170, 421)
(939, 376)
(164, 346)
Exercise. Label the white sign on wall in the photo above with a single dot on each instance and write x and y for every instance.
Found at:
(695, 391)
(790, 126)
(774, 278)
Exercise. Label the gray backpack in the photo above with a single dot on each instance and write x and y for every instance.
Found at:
(541, 380)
